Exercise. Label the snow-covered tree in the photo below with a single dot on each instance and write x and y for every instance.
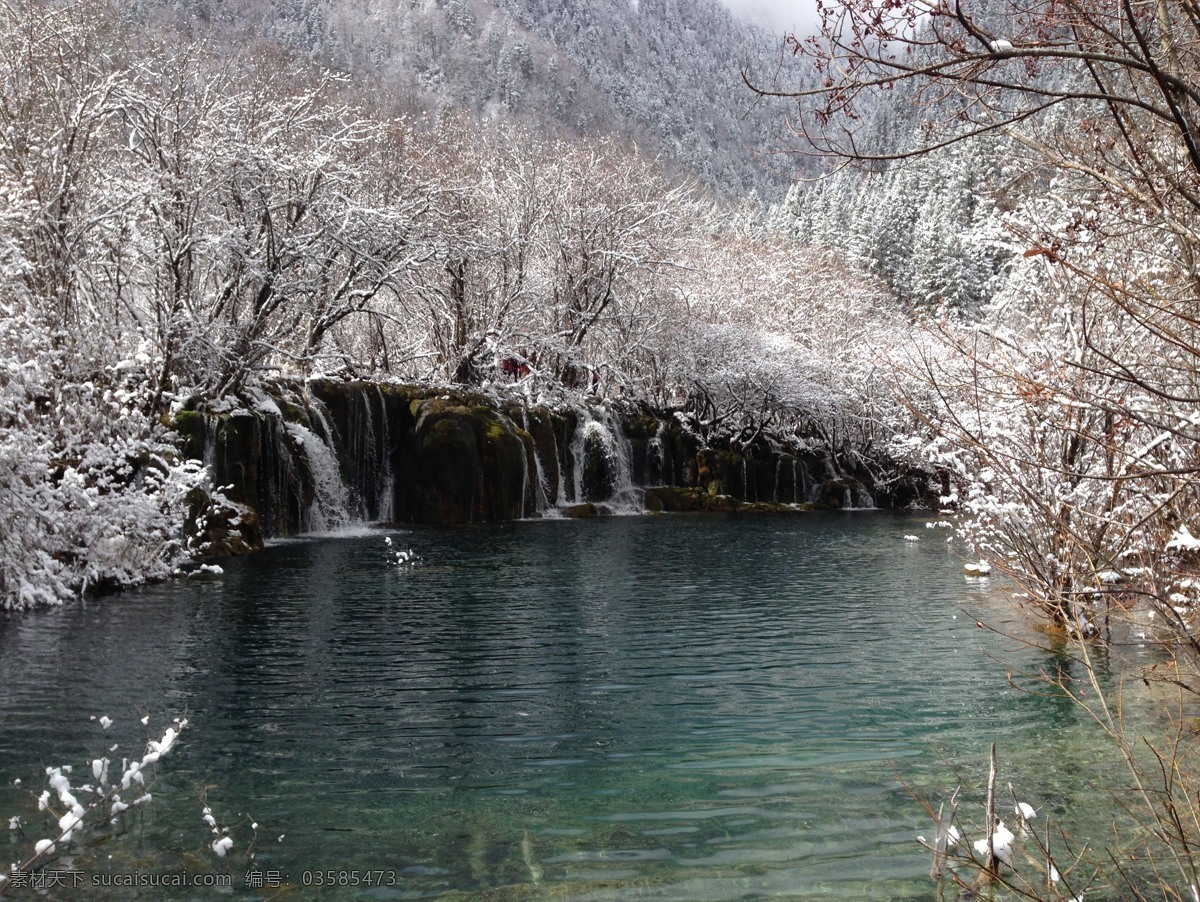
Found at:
(1066, 414)
(1082, 140)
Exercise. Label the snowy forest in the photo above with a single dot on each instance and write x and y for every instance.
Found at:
(964, 242)
(198, 199)
(189, 211)
(194, 202)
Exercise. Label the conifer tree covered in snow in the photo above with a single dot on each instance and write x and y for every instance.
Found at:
(931, 227)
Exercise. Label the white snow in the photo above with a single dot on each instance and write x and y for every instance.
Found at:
(1002, 840)
(1183, 540)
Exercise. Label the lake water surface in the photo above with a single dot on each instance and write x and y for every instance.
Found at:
(649, 707)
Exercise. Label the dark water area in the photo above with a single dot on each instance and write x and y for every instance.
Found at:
(647, 707)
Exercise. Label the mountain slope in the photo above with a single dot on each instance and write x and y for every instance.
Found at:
(666, 73)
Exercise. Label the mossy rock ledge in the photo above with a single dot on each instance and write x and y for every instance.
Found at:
(426, 455)
(465, 464)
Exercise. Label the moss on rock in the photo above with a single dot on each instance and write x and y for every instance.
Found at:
(465, 464)
(191, 428)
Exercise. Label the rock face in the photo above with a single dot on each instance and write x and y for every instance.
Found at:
(327, 453)
(464, 462)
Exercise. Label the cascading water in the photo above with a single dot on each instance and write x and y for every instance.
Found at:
(863, 499)
(541, 497)
(279, 499)
(385, 477)
(353, 422)
(319, 417)
(566, 466)
(602, 469)
(525, 512)
(657, 465)
(851, 493)
(360, 457)
(330, 454)
(789, 484)
(330, 508)
(210, 443)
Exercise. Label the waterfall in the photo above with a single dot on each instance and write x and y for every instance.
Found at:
(592, 483)
(863, 499)
(523, 512)
(385, 480)
(330, 507)
(326, 455)
(565, 466)
(319, 417)
(542, 488)
(656, 458)
(210, 444)
(281, 470)
(798, 493)
(353, 423)
(602, 469)
(362, 455)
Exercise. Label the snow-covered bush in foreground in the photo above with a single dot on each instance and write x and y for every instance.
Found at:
(1067, 425)
(69, 809)
(1069, 428)
(81, 814)
(92, 491)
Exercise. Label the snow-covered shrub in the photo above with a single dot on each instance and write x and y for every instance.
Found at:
(71, 809)
(1066, 418)
(92, 491)
(787, 336)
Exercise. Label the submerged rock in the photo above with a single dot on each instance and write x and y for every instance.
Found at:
(584, 511)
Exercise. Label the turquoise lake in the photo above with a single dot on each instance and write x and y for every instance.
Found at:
(686, 708)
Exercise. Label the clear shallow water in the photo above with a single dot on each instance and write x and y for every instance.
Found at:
(659, 707)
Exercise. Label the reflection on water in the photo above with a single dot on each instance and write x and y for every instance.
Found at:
(677, 708)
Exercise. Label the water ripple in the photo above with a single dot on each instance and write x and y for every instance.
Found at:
(701, 708)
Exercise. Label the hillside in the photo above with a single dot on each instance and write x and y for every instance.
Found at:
(665, 73)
